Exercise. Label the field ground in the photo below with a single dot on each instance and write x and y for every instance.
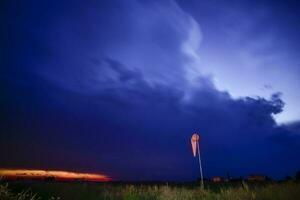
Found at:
(34, 190)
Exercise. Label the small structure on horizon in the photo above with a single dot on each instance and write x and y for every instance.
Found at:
(256, 177)
(217, 179)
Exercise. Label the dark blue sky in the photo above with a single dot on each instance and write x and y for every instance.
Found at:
(119, 87)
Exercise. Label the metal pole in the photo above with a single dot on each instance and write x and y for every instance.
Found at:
(200, 166)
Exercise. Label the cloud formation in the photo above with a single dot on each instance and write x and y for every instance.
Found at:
(123, 94)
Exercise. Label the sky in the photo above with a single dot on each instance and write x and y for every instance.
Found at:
(119, 87)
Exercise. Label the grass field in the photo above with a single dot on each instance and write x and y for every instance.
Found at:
(108, 191)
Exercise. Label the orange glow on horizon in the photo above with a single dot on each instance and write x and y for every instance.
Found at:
(57, 175)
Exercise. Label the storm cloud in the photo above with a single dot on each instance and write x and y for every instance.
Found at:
(93, 87)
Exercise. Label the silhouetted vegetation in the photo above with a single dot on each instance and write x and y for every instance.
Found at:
(117, 191)
(297, 175)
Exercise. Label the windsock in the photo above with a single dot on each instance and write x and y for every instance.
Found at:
(194, 141)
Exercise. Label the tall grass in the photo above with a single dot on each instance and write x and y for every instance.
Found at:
(84, 191)
(6, 194)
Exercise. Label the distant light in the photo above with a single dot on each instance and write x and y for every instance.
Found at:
(57, 175)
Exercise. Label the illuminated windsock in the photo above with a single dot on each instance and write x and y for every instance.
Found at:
(194, 141)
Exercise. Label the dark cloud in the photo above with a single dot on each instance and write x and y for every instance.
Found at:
(132, 130)
(294, 127)
(111, 95)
